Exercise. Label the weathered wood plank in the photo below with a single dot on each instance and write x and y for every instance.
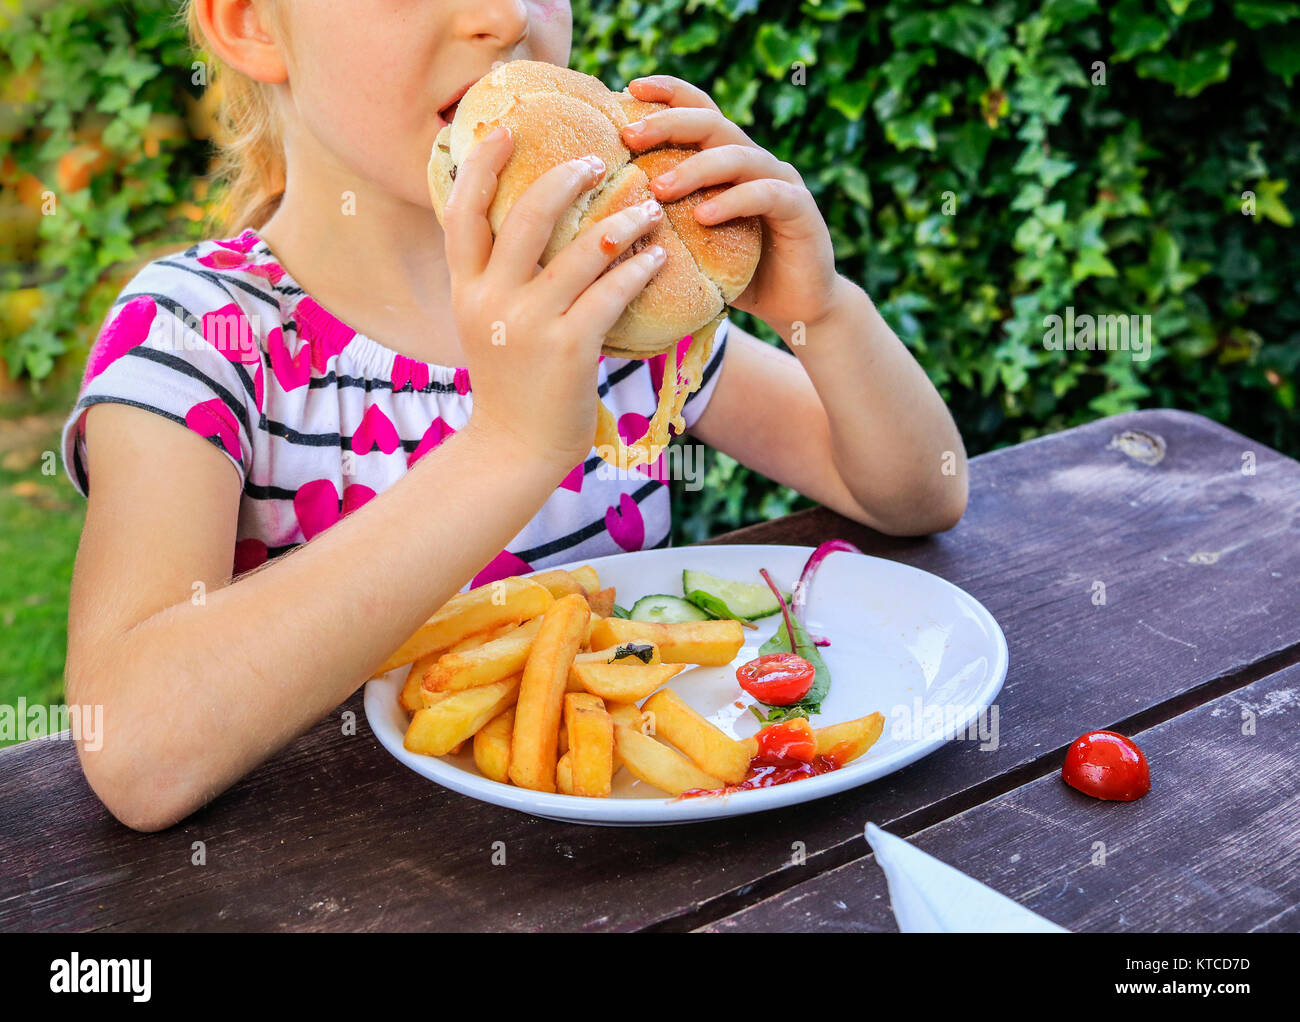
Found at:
(334, 834)
(1215, 846)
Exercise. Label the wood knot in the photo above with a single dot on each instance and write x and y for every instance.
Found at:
(1148, 448)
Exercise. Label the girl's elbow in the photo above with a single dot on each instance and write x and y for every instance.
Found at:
(949, 510)
(137, 784)
(919, 514)
(137, 797)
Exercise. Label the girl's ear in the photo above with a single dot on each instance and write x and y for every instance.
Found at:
(242, 33)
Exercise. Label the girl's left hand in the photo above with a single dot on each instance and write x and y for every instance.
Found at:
(795, 280)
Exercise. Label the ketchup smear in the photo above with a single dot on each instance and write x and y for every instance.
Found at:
(767, 773)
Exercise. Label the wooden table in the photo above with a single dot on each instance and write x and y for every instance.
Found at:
(1195, 652)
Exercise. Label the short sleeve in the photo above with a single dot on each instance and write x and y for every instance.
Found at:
(698, 401)
(194, 361)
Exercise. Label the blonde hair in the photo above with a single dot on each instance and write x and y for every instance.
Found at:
(251, 160)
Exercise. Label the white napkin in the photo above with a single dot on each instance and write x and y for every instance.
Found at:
(930, 896)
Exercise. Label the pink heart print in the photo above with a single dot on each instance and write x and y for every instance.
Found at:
(244, 243)
(632, 426)
(129, 328)
(249, 554)
(573, 481)
(291, 371)
(625, 524)
(214, 419)
(317, 504)
(408, 370)
(437, 432)
(503, 565)
(376, 430)
(228, 330)
(326, 334)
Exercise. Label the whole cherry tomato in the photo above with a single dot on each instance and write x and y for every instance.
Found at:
(1107, 766)
(778, 679)
(790, 741)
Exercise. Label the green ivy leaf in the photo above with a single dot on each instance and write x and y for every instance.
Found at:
(1261, 14)
(1135, 31)
(1280, 48)
(1190, 75)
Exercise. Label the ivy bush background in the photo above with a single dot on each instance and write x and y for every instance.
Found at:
(981, 165)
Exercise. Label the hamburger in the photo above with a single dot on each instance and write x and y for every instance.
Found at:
(555, 115)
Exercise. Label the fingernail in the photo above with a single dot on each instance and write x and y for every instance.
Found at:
(706, 209)
(635, 128)
(651, 208)
(666, 180)
(656, 253)
(594, 162)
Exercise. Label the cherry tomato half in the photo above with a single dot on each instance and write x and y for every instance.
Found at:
(1107, 766)
(790, 741)
(778, 679)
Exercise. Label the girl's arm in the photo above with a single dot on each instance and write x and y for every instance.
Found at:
(200, 678)
(197, 692)
(853, 422)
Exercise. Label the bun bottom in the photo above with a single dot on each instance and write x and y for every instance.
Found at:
(613, 352)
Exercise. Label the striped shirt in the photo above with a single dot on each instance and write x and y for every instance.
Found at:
(317, 419)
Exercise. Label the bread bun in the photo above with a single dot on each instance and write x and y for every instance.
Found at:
(556, 115)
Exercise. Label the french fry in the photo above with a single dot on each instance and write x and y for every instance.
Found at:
(533, 752)
(507, 600)
(712, 643)
(658, 765)
(479, 638)
(845, 742)
(602, 656)
(591, 744)
(624, 684)
(436, 730)
(625, 713)
(429, 698)
(602, 601)
(492, 746)
(484, 664)
(410, 696)
(711, 749)
(588, 577)
(564, 775)
(842, 742)
(558, 582)
(606, 655)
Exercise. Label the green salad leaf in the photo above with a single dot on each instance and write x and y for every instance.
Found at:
(712, 605)
(806, 648)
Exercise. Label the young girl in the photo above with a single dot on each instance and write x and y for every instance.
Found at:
(323, 380)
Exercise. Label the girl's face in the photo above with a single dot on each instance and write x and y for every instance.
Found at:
(367, 78)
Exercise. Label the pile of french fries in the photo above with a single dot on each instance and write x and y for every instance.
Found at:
(525, 668)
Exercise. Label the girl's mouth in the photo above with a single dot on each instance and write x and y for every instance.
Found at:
(448, 114)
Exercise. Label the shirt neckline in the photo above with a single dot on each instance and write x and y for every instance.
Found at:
(375, 360)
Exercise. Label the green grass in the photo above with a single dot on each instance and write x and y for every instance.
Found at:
(40, 523)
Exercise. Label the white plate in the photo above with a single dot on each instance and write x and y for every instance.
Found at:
(902, 640)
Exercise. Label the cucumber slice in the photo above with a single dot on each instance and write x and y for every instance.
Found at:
(667, 609)
(750, 600)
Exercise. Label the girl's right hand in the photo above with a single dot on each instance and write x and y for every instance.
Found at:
(531, 336)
